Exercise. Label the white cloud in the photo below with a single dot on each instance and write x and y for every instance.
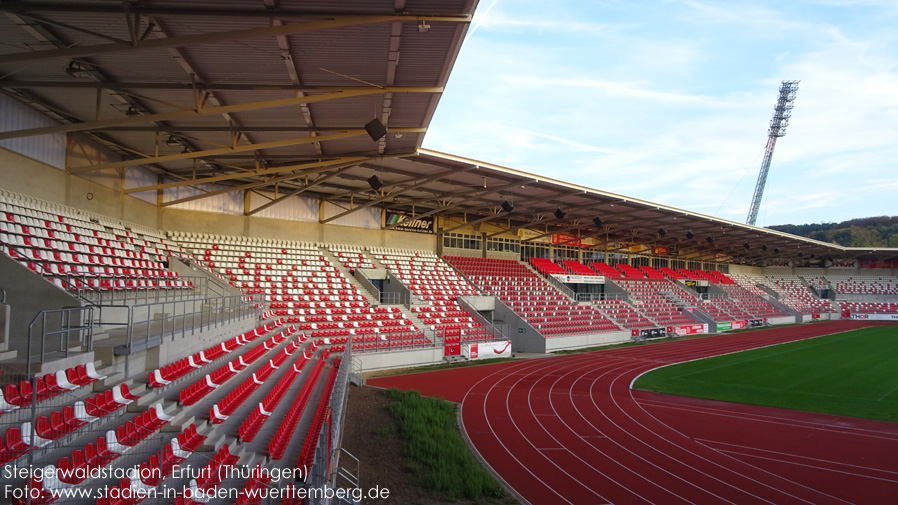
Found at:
(672, 104)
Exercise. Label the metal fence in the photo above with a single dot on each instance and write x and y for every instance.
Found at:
(326, 463)
(180, 318)
(59, 333)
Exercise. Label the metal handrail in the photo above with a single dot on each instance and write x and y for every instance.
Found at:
(66, 316)
(594, 297)
(81, 323)
(200, 314)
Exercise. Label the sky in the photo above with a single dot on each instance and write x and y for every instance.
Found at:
(670, 101)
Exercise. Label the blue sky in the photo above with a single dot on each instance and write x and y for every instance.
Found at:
(669, 101)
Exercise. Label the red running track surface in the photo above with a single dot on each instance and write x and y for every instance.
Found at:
(570, 430)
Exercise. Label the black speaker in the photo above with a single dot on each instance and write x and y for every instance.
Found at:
(764, 247)
(689, 235)
(710, 240)
(597, 221)
(560, 213)
(375, 182)
(746, 245)
(376, 130)
(507, 207)
(776, 250)
(662, 232)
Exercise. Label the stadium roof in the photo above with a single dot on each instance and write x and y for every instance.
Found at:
(273, 95)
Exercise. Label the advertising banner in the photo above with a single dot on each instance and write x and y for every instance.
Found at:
(653, 332)
(738, 325)
(580, 279)
(689, 329)
(755, 323)
(404, 222)
(871, 263)
(567, 239)
(875, 317)
(724, 326)
(844, 263)
(486, 350)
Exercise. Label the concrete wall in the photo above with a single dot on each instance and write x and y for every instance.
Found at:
(586, 340)
(27, 295)
(398, 359)
(29, 177)
(524, 337)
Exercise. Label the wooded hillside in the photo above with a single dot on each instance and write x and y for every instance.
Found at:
(879, 231)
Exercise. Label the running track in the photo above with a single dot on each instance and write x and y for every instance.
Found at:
(570, 430)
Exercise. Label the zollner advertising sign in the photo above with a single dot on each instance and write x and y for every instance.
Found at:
(404, 222)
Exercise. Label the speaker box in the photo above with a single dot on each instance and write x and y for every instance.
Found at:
(376, 130)
(375, 182)
(507, 207)
(560, 213)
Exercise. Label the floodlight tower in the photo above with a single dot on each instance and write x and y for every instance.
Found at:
(781, 114)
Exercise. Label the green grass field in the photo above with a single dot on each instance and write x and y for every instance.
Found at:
(851, 374)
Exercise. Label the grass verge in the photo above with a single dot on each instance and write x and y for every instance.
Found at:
(437, 454)
(849, 374)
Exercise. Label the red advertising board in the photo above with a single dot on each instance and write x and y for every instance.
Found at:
(690, 329)
(566, 239)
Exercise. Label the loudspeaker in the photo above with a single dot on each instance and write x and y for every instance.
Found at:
(776, 250)
(662, 232)
(560, 213)
(507, 207)
(764, 247)
(375, 182)
(376, 130)
(746, 245)
(597, 221)
(710, 240)
(689, 235)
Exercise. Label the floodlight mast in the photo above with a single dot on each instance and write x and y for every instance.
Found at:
(781, 114)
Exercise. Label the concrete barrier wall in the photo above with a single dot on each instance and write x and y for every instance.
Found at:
(398, 359)
(586, 340)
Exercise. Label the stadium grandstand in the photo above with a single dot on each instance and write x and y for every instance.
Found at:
(215, 216)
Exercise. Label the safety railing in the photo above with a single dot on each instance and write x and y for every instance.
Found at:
(60, 331)
(180, 318)
(595, 297)
(325, 464)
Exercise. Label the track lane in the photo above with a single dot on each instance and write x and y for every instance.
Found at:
(570, 430)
